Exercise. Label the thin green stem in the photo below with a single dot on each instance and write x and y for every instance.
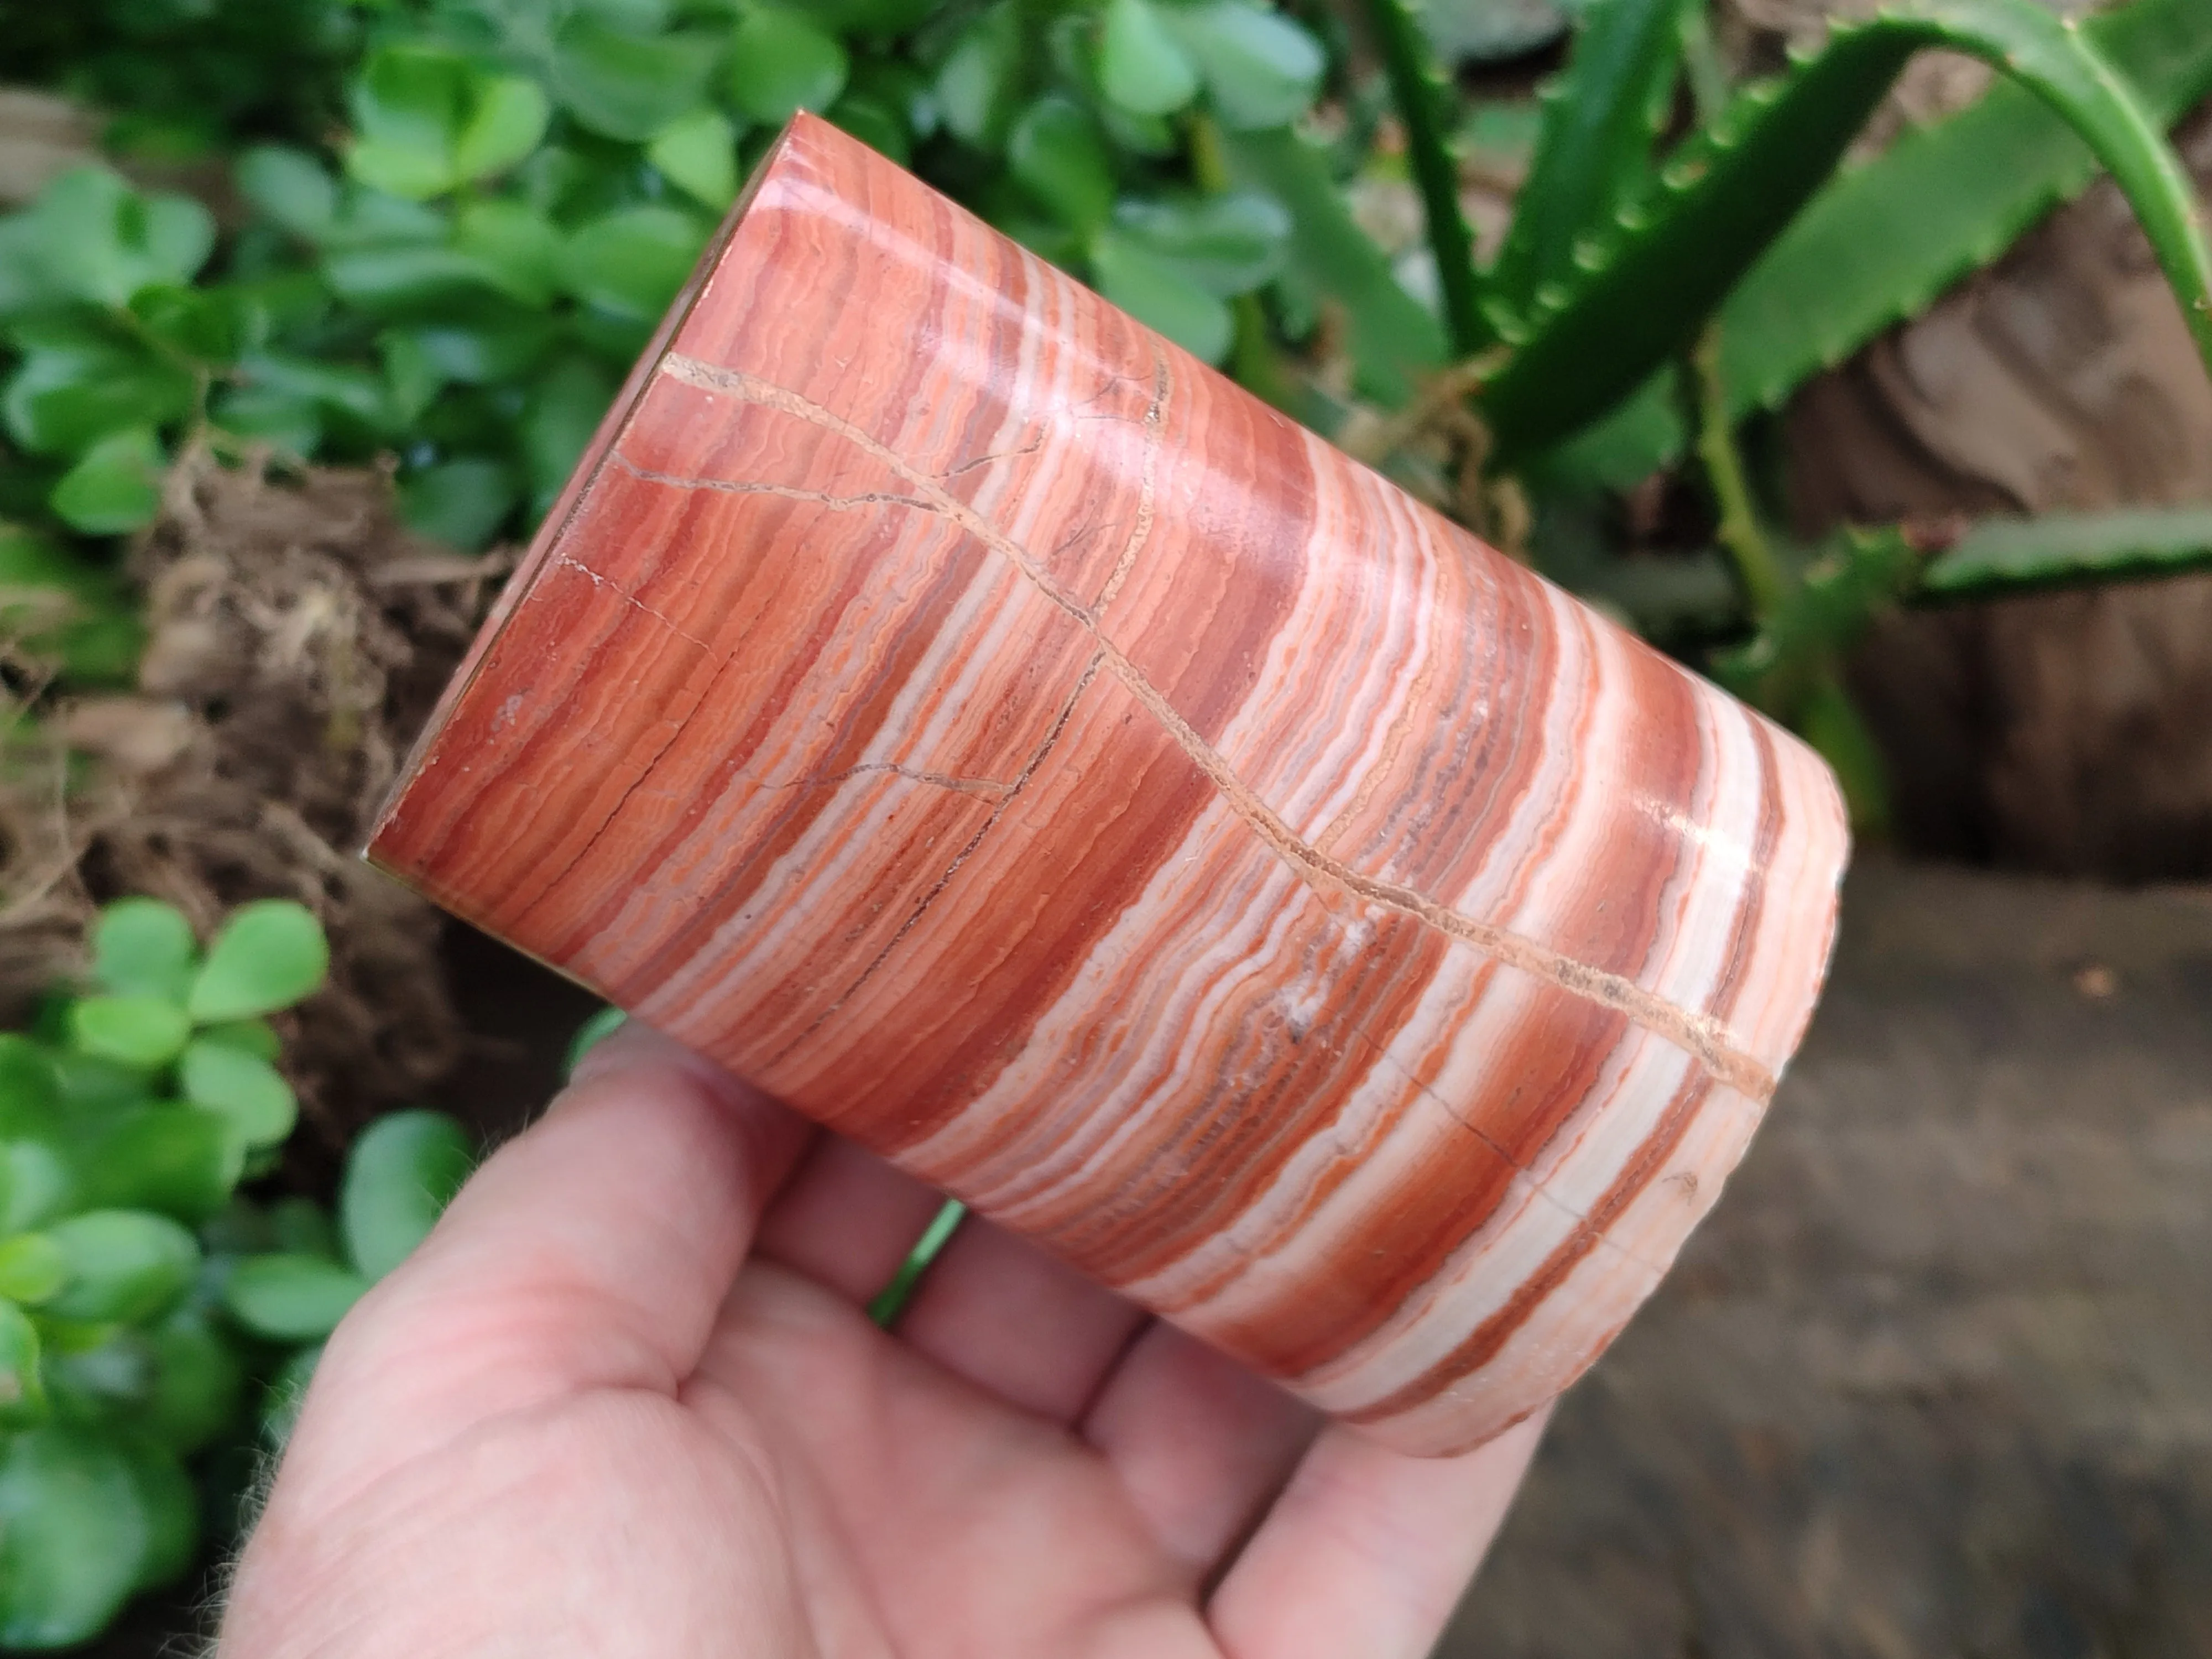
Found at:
(1738, 532)
(890, 1302)
(1419, 86)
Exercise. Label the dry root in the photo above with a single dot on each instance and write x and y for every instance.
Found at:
(298, 639)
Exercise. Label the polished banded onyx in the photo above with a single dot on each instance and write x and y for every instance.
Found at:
(968, 717)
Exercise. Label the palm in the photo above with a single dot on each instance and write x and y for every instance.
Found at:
(574, 1423)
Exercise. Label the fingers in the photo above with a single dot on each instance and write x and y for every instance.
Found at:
(1017, 1324)
(1367, 1552)
(1200, 1444)
(846, 1219)
(594, 1250)
(996, 1312)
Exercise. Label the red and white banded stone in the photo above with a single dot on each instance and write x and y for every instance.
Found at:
(972, 720)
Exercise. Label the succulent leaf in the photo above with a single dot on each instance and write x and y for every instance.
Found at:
(1601, 120)
(1725, 195)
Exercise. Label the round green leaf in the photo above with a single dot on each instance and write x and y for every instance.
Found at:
(409, 103)
(182, 1161)
(299, 1226)
(206, 325)
(780, 62)
(518, 247)
(1061, 157)
(698, 154)
(22, 1388)
(632, 262)
(30, 1088)
(246, 1090)
(291, 1298)
(1228, 244)
(1140, 66)
(64, 400)
(626, 85)
(402, 1173)
(269, 955)
(92, 1085)
(116, 487)
(876, 122)
(75, 1536)
(253, 1037)
(291, 186)
(490, 351)
(975, 83)
(141, 1032)
(505, 116)
(173, 1514)
(142, 947)
(1157, 293)
(1260, 69)
(33, 1269)
(198, 1382)
(101, 241)
(34, 1184)
(565, 409)
(292, 426)
(411, 278)
(459, 502)
(124, 1266)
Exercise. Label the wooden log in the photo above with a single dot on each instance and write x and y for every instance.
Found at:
(974, 721)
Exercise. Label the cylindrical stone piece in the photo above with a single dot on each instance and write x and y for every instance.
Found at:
(973, 720)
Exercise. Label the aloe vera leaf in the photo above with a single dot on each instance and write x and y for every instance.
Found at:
(1601, 120)
(1424, 100)
(1394, 339)
(2000, 553)
(1884, 240)
(1730, 191)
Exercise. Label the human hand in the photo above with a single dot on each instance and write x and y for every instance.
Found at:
(624, 1400)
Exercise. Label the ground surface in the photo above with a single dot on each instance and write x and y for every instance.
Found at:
(1935, 1378)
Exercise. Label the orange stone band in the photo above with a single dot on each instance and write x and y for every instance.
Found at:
(970, 718)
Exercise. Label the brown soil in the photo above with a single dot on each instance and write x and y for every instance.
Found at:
(298, 638)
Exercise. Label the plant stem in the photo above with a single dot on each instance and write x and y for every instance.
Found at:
(890, 1302)
(1738, 532)
(1419, 86)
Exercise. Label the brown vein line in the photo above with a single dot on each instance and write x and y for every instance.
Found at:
(567, 562)
(992, 786)
(922, 909)
(782, 492)
(1148, 481)
(1700, 1035)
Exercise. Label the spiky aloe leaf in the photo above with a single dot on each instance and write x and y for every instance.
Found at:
(1393, 339)
(1882, 241)
(1640, 293)
(1999, 553)
(1423, 96)
(1601, 119)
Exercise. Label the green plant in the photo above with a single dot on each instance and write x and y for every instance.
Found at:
(525, 184)
(1609, 324)
(142, 1298)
